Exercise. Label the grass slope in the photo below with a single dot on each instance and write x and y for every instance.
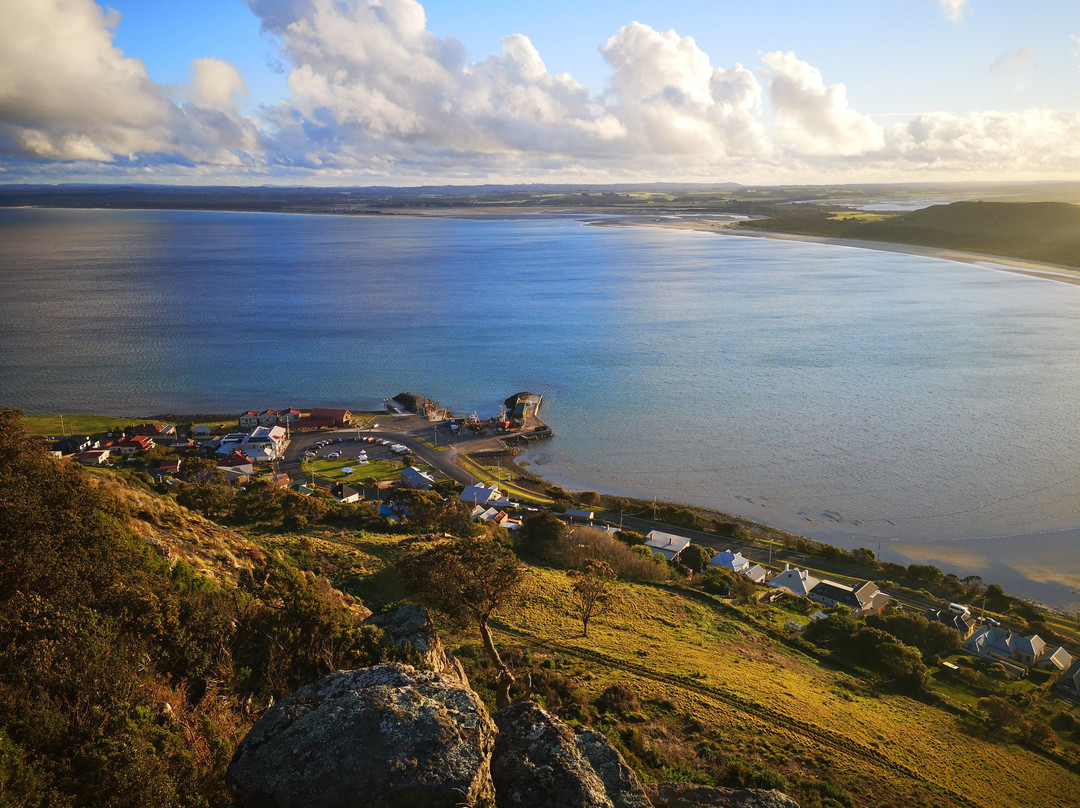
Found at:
(1037, 231)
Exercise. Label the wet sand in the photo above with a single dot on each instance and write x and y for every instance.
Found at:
(1035, 269)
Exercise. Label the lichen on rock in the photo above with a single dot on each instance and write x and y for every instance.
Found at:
(389, 736)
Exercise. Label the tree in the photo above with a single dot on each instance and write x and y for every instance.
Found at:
(540, 532)
(695, 557)
(468, 580)
(594, 591)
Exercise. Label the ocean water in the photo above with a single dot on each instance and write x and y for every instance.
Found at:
(851, 395)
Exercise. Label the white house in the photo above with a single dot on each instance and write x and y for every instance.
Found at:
(860, 599)
(667, 544)
(798, 581)
(736, 562)
(481, 494)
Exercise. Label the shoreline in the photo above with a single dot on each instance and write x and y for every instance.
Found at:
(1033, 269)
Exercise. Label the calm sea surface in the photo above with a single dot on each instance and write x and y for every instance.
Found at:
(847, 394)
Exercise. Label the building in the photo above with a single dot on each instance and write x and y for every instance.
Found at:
(669, 545)
(798, 581)
(150, 430)
(345, 493)
(134, 445)
(94, 457)
(301, 488)
(735, 562)
(1069, 682)
(289, 415)
(756, 573)
(861, 599)
(964, 623)
(236, 461)
(248, 420)
(339, 417)
(1054, 659)
(73, 444)
(481, 494)
(991, 642)
(268, 417)
(412, 477)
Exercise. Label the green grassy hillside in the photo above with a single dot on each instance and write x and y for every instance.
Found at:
(138, 641)
(1036, 231)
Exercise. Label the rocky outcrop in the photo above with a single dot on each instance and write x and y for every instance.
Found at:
(621, 784)
(389, 736)
(677, 795)
(539, 762)
(411, 625)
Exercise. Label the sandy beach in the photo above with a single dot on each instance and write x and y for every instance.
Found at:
(1052, 272)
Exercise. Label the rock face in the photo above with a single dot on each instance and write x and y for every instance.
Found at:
(675, 795)
(539, 762)
(410, 624)
(389, 736)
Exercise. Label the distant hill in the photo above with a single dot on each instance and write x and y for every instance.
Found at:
(1036, 231)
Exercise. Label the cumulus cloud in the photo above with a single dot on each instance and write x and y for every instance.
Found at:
(813, 118)
(954, 9)
(1015, 143)
(376, 95)
(672, 100)
(67, 93)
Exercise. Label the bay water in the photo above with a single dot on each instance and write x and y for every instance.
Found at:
(920, 406)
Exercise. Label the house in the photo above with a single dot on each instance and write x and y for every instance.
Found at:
(264, 443)
(201, 431)
(485, 514)
(170, 465)
(268, 417)
(301, 488)
(289, 416)
(756, 573)
(236, 461)
(736, 562)
(991, 642)
(667, 544)
(964, 623)
(279, 480)
(1055, 660)
(311, 424)
(798, 581)
(150, 430)
(339, 417)
(94, 457)
(412, 477)
(481, 494)
(236, 476)
(583, 516)
(861, 599)
(1069, 682)
(345, 493)
(248, 420)
(73, 444)
(135, 444)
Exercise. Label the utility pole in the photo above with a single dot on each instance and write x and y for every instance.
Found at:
(62, 430)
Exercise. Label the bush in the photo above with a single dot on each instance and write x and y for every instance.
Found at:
(618, 698)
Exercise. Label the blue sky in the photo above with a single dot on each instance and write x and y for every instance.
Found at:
(405, 92)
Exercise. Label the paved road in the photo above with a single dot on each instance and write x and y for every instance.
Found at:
(403, 430)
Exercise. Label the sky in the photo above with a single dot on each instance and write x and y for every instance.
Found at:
(401, 92)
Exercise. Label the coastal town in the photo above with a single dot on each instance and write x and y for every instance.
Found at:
(361, 459)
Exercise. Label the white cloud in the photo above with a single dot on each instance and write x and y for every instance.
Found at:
(67, 93)
(1007, 143)
(374, 95)
(672, 100)
(813, 118)
(954, 9)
